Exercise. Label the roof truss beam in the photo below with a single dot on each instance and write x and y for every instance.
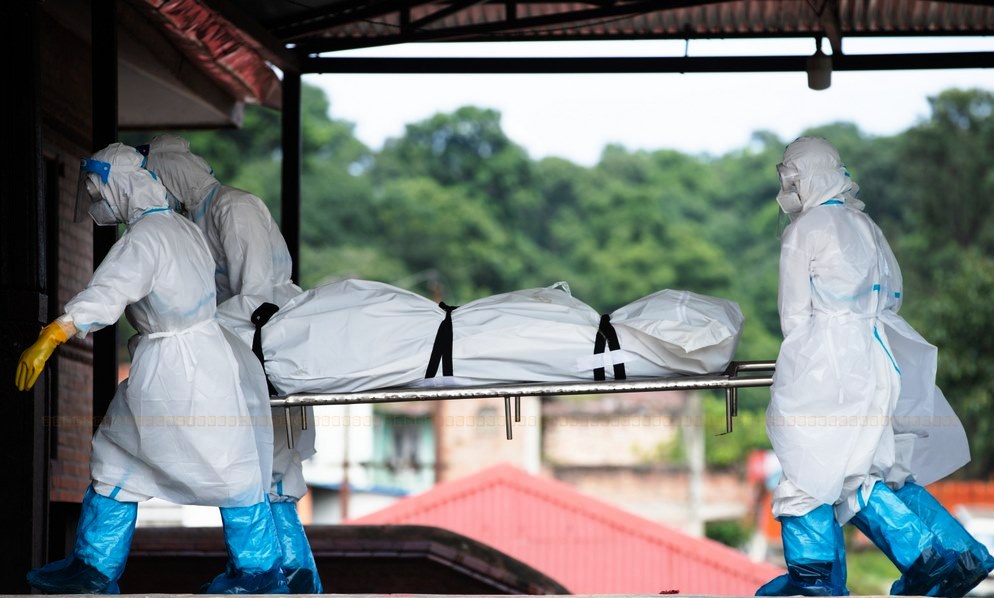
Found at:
(340, 13)
(512, 21)
(733, 64)
(440, 14)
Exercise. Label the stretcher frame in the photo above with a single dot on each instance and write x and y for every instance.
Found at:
(730, 380)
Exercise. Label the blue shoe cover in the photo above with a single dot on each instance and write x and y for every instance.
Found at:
(254, 555)
(814, 549)
(298, 562)
(907, 542)
(973, 561)
(103, 539)
(69, 576)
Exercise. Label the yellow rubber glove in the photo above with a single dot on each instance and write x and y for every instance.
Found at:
(33, 359)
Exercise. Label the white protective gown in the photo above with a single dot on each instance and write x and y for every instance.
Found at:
(849, 363)
(181, 428)
(252, 266)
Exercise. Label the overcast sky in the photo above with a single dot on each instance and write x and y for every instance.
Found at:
(575, 116)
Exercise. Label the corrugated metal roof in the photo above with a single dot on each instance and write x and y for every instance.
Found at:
(588, 545)
(230, 56)
(295, 33)
(358, 22)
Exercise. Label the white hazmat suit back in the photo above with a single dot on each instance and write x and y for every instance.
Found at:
(252, 266)
(848, 363)
(181, 427)
(249, 251)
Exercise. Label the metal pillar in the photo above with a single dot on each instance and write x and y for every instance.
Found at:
(292, 149)
(104, 68)
(23, 304)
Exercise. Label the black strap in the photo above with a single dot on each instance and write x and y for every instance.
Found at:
(260, 317)
(441, 351)
(607, 335)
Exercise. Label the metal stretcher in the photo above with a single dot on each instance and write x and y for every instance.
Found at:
(730, 380)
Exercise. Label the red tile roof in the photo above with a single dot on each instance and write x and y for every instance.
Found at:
(589, 546)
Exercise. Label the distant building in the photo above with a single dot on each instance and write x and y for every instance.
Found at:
(367, 458)
(472, 435)
(644, 453)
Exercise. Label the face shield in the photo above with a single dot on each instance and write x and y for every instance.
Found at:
(89, 201)
(788, 177)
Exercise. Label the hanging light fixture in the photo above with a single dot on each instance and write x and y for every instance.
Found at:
(819, 67)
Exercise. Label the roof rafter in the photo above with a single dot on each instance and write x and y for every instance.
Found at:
(445, 12)
(574, 17)
(341, 14)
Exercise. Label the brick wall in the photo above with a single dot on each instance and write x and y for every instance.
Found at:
(66, 137)
(607, 439)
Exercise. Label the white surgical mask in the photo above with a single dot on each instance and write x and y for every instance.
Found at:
(789, 200)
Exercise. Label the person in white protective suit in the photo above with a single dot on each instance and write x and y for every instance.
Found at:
(848, 365)
(180, 428)
(253, 266)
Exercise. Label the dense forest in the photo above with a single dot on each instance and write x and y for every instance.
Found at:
(457, 210)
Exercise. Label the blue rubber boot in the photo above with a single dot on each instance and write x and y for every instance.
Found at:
(254, 556)
(907, 541)
(815, 551)
(103, 539)
(298, 561)
(973, 561)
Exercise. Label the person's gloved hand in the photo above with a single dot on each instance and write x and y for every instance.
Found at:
(33, 359)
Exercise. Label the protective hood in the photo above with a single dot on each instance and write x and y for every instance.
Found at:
(130, 189)
(185, 174)
(817, 173)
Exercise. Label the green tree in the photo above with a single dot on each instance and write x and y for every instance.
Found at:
(429, 226)
(947, 178)
(728, 450)
(458, 148)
